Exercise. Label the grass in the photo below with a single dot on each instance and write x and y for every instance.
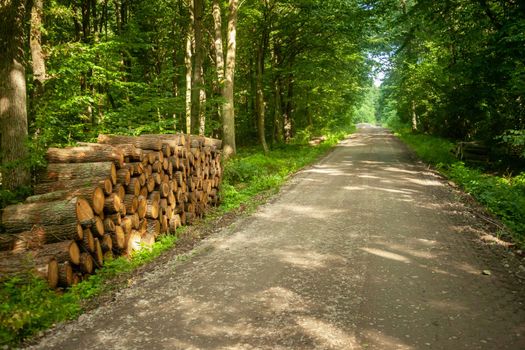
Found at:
(27, 306)
(504, 197)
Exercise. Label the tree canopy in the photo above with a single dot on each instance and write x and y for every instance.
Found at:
(261, 72)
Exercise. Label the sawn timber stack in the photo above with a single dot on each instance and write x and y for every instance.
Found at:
(100, 200)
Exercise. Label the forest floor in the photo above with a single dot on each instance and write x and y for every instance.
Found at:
(366, 249)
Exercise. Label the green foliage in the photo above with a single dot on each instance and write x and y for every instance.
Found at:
(28, 306)
(432, 149)
(367, 110)
(11, 197)
(514, 140)
(456, 67)
(502, 196)
(253, 172)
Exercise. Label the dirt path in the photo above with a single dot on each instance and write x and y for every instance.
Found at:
(365, 250)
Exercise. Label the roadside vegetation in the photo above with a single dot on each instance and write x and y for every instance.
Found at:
(28, 306)
(502, 195)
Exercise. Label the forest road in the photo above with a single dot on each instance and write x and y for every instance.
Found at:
(366, 249)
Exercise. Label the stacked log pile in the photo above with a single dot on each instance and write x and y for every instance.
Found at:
(111, 198)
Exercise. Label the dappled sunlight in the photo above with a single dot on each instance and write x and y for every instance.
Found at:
(386, 254)
(355, 188)
(447, 306)
(312, 211)
(279, 299)
(326, 334)
(399, 170)
(417, 253)
(428, 242)
(326, 171)
(468, 268)
(425, 182)
(377, 339)
(305, 259)
(372, 162)
(367, 176)
(238, 329)
(403, 191)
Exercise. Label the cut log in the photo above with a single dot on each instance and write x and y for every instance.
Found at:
(135, 220)
(98, 254)
(27, 240)
(22, 217)
(153, 227)
(152, 209)
(86, 263)
(76, 187)
(142, 207)
(98, 227)
(143, 142)
(106, 243)
(109, 225)
(133, 243)
(88, 243)
(134, 186)
(66, 171)
(85, 154)
(123, 176)
(118, 238)
(112, 204)
(127, 225)
(37, 260)
(60, 274)
(131, 202)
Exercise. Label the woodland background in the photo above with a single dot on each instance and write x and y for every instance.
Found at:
(263, 72)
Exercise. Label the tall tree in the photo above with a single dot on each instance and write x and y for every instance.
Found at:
(13, 110)
(198, 98)
(35, 41)
(228, 108)
(262, 45)
(189, 67)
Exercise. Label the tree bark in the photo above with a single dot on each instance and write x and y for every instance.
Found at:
(22, 217)
(13, 109)
(228, 110)
(35, 41)
(198, 93)
(287, 117)
(259, 102)
(85, 154)
(66, 171)
(187, 62)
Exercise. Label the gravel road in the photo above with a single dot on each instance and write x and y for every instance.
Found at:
(367, 249)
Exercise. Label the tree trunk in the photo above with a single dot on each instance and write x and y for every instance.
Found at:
(198, 93)
(287, 117)
(228, 111)
(413, 115)
(260, 103)
(13, 110)
(188, 64)
(278, 113)
(219, 52)
(35, 41)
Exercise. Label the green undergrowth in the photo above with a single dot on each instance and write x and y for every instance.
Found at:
(503, 196)
(27, 306)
